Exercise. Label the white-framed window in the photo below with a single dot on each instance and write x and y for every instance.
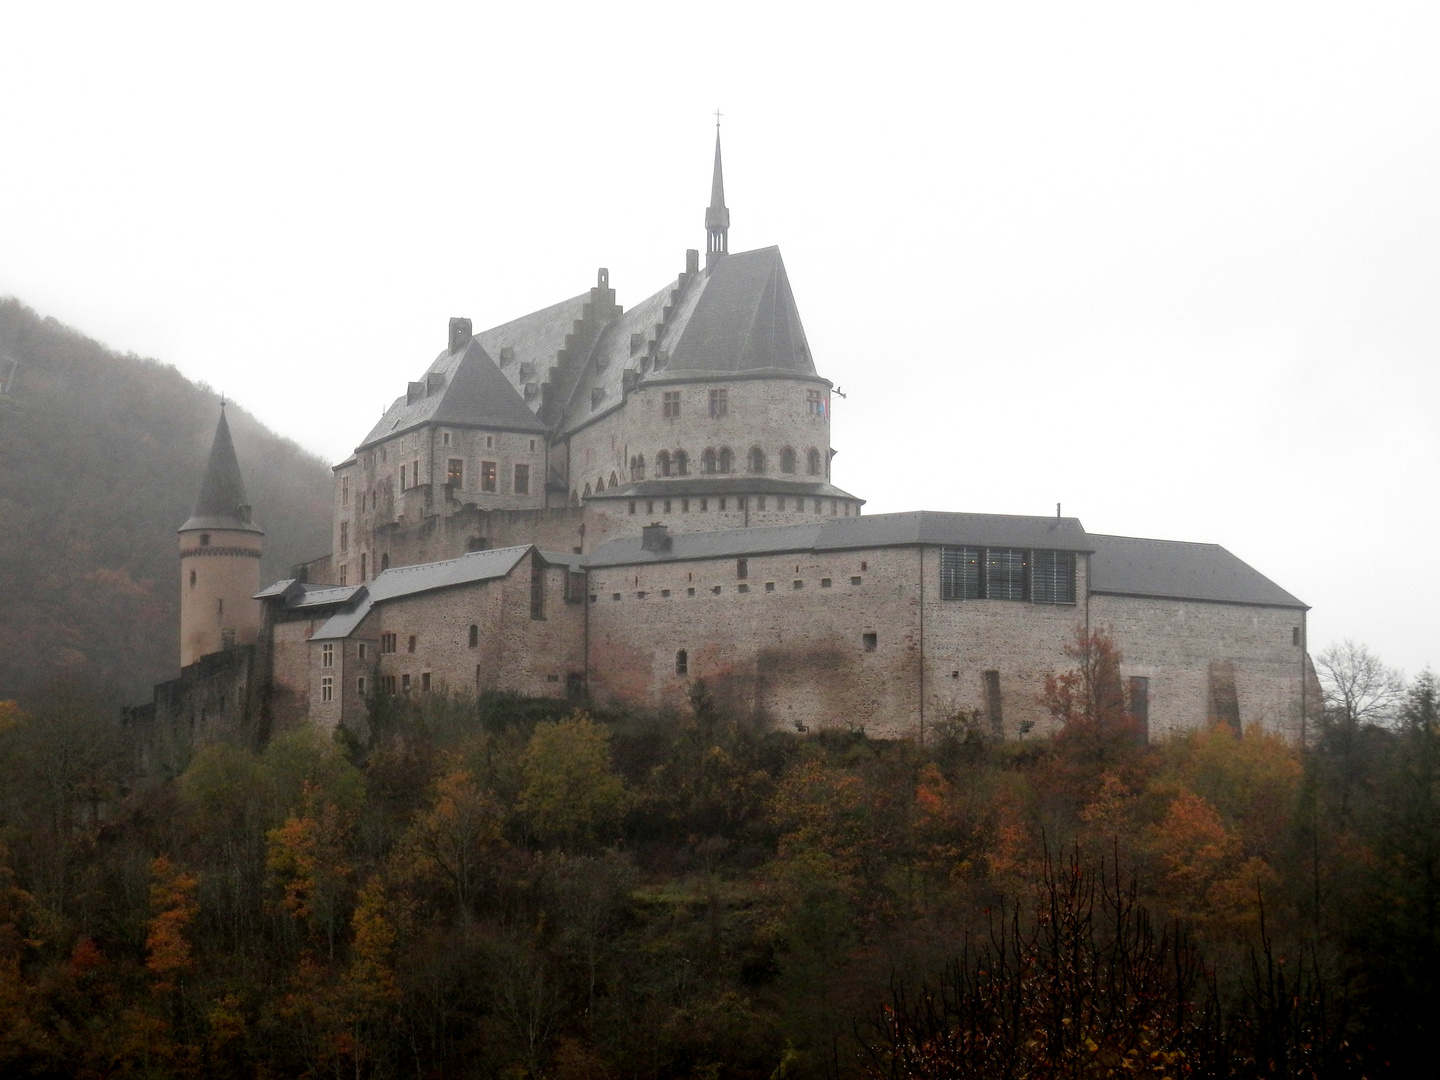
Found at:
(327, 654)
(327, 689)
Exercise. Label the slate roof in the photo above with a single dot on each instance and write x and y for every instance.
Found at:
(672, 487)
(471, 389)
(744, 321)
(839, 534)
(222, 503)
(410, 580)
(1171, 569)
(298, 594)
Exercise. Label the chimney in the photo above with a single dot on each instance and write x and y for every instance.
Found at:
(655, 537)
(692, 260)
(460, 334)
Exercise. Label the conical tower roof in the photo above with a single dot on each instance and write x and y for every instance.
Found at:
(222, 503)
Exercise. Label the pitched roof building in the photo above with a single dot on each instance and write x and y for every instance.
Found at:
(611, 504)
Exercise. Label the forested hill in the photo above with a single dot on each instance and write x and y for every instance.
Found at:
(101, 457)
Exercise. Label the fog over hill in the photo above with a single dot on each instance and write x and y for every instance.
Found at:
(100, 460)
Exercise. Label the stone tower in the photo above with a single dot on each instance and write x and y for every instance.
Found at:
(219, 560)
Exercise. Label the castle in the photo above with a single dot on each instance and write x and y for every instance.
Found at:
(609, 505)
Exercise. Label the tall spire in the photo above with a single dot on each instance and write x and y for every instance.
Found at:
(222, 503)
(717, 214)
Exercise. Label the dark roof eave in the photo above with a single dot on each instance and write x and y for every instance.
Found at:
(1298, 605)
(539, 428)
(681, 375)
(220, 524)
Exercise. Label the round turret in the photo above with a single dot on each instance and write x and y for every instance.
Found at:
(220, 550)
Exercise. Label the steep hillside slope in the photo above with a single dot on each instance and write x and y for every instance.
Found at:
(100, 459)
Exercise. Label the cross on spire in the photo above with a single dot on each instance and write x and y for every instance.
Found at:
(717, 119)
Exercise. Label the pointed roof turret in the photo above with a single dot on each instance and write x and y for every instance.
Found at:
(222, 503)
(717, 214)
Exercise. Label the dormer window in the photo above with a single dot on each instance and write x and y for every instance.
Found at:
(204, 539)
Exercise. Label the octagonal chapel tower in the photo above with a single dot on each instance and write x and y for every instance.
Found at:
(219, 560)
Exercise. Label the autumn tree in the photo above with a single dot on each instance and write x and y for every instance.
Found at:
(571, 795)
(455, 835)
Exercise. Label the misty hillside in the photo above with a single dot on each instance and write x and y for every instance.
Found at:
(101, 457)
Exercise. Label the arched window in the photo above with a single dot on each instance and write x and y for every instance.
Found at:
(574, 498)
(613, 480)
(710, 461)
(757, 460)
(586, 493)
(727, 460)
(682, 463)
(474, 636)
(662, 463)
(682, 663)
(813, 461)
(637, 467)
(385, 561)
(787, 460)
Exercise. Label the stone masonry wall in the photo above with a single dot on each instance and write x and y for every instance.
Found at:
(513, 651)
(769, 413)
(1175, 642)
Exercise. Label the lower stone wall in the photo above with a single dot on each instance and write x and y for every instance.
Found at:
(215, 699)
(1191, 651)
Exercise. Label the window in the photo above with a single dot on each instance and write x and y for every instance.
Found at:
(682, 663)
(992, 703)
(364, 567)
(537, 591)
(360, 685)
(487, 476)
(455, 472)
(662, 463)
(825, 583)
(797, 584)
(385, 562)
(474, 636)
(403, 485)
(415, 474)
(1043, 577)
(387, 643)
(445, 439)
(671, 404)
(871, 641)
(814, 403)
(344, 536)
(812, 462)
(532, 446)
(404, 684)
(425, 682)
(387, 683)
(1140, 704)
(719, 403)
(682, 463)
(410, 646)
(960, 573)
(343, 574)
(204, 539)
(327, 689)
(361, 650)
(522, 479)
(1005, 573)
(855, 581)
(1052, 577)
(345, 491)
(637, 467)
(757, 460)
(1294, 630)
(327, 654)
(489, 442)
(742, 568)
(727, 459)
(787, 461)
(710, 463)
(192, 585)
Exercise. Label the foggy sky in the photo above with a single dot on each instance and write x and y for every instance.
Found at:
(1174, 267)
